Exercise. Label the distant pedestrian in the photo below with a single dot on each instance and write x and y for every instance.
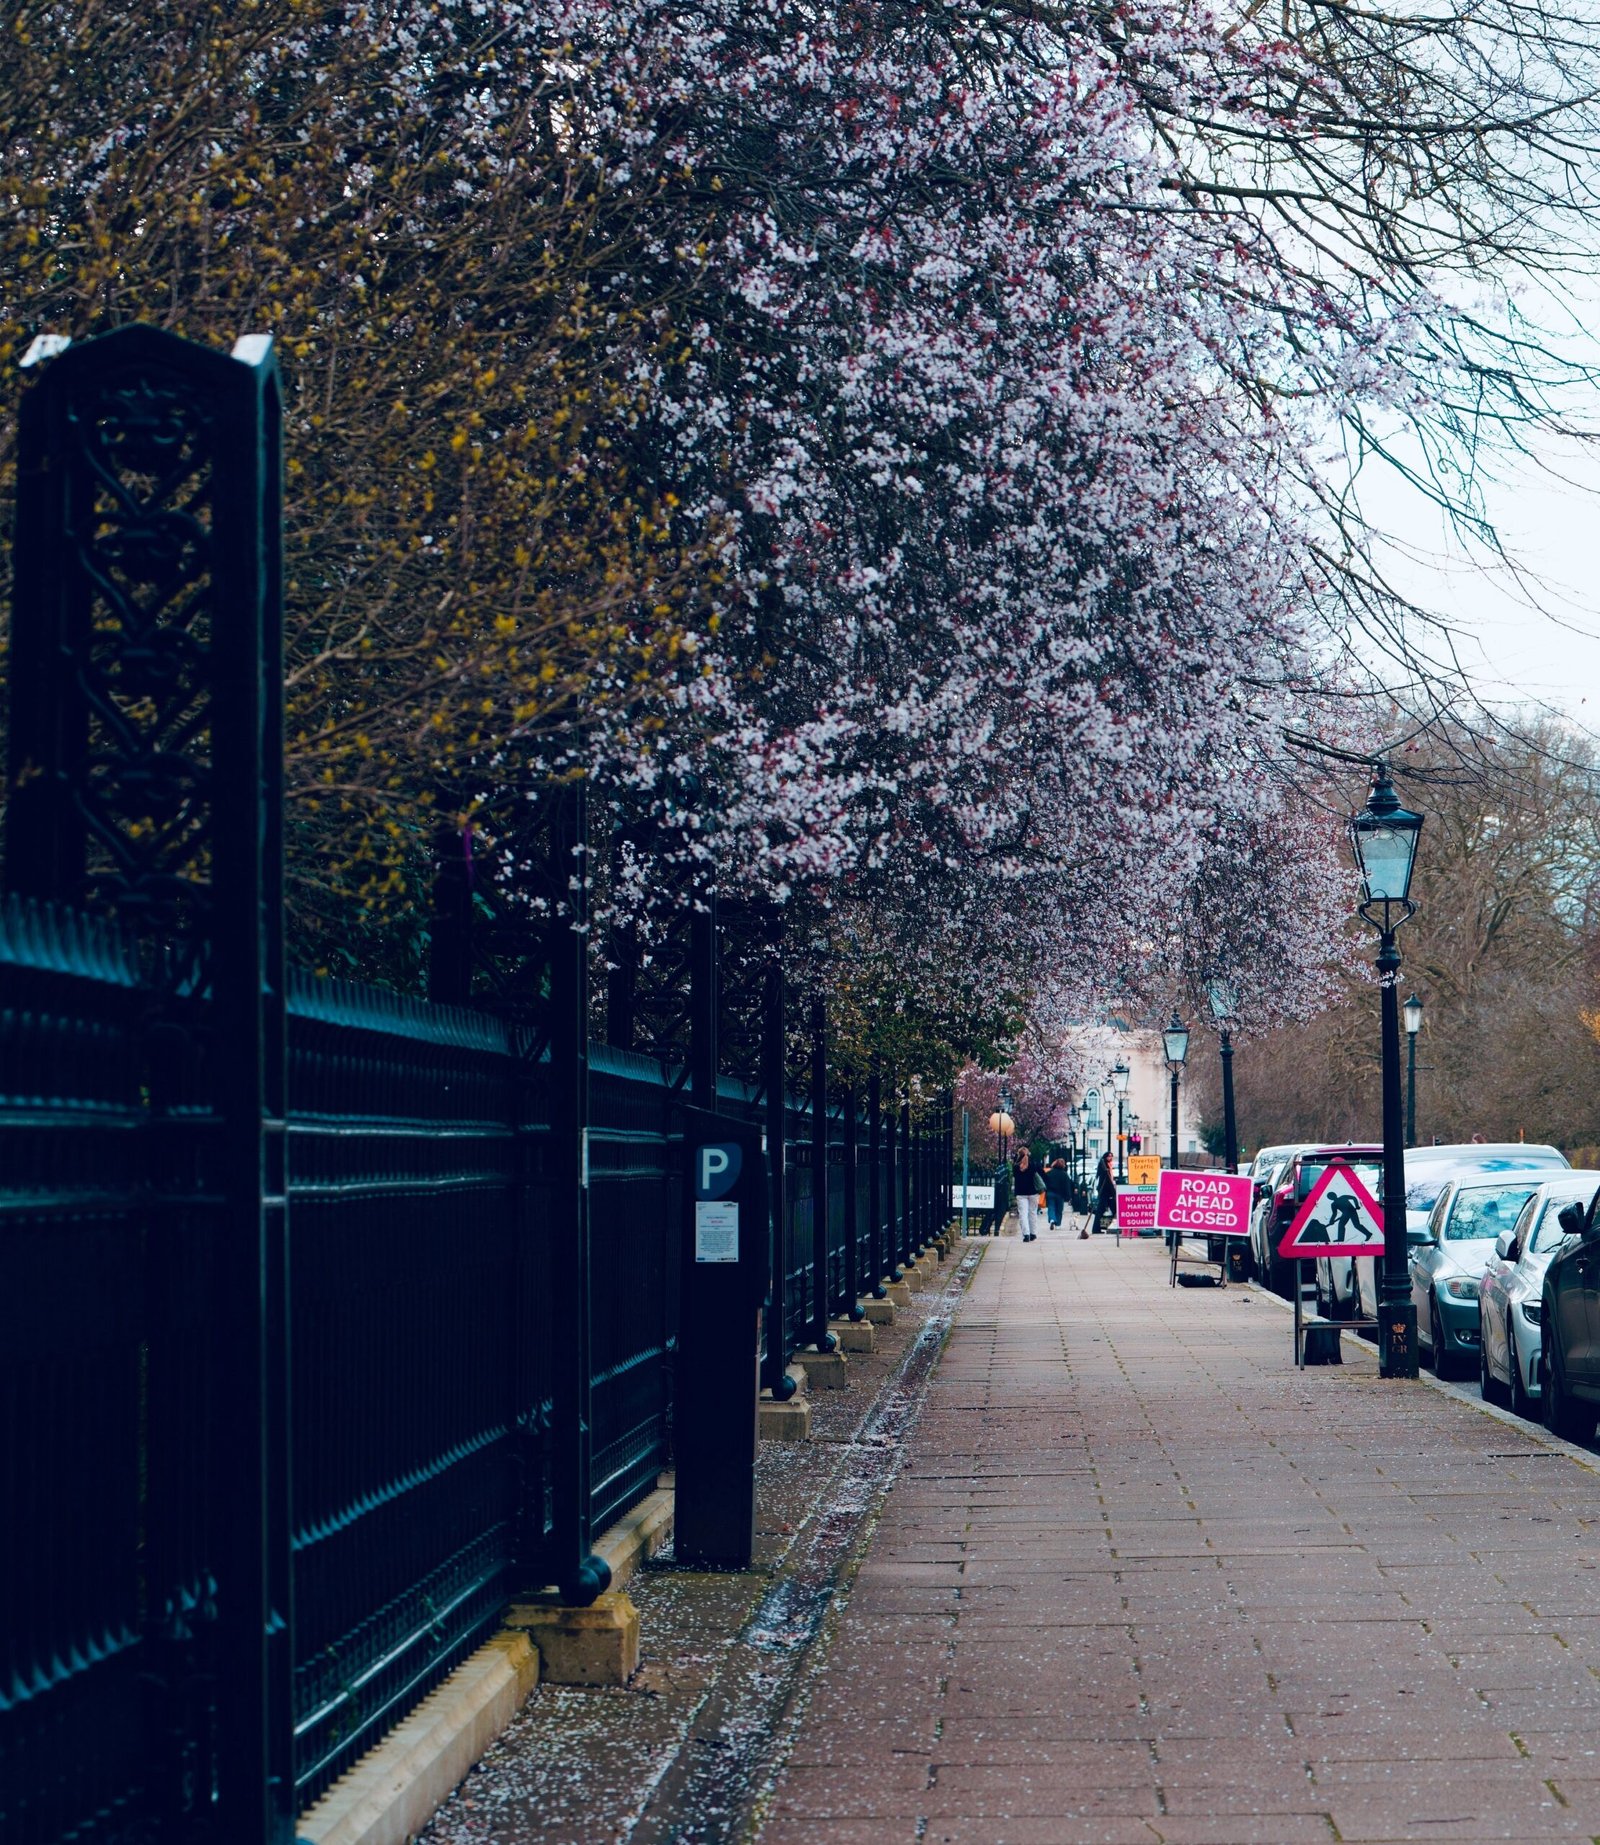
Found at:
(1030, 1194)
(1057, 1190)
(1105, 1203)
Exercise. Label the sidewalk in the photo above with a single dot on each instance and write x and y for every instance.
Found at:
(1138, 1580)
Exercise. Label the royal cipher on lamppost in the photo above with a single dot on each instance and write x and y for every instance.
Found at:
(1384, 836)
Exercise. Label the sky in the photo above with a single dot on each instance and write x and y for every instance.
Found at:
(1529, 635)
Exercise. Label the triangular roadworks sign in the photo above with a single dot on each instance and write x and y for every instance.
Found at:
(1340, 1217)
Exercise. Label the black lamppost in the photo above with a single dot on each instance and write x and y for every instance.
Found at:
(1224, 998)
(1121, 1076)
(1413, 1011)
(1384, 836)
(1175, 1040)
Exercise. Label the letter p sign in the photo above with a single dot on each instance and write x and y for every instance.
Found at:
(716, 1169)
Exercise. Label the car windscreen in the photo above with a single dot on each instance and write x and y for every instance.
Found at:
(1369, 1172)
(1549, 1231)
(1482, 1212)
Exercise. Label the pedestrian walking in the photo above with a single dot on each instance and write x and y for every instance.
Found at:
(1057, 1190)
(1030, 1194)
(1105, 1201)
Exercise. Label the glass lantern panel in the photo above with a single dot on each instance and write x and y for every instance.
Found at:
(1386, 859)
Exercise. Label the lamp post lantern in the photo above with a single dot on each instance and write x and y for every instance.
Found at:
(1384, 837)
(1224, 998)
(1121, 1076)
(1175, 1042)
(1413, 1016)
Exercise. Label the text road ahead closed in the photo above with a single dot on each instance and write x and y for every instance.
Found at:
(1204, 1203)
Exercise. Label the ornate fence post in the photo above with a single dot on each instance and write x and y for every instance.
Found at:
(907, 1227)
(852, 1230)
(579, 1573)
(775, 1361)
(146, 775)
(450, 922)
(877, 1251)
(817, 1332)
(705, 991)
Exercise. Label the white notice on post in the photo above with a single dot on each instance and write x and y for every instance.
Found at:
(716, 1231)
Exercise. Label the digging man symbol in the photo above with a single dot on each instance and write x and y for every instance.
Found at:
(1344, 1224)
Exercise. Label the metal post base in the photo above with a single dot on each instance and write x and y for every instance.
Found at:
(1397, 1340)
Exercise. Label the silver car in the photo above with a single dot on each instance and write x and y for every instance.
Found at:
(1448, 1258)
(1430, 1169)
(1509, 1310)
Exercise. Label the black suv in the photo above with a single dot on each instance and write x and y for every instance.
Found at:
(1569, 1349)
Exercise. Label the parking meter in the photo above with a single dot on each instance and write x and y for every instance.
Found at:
(723, 1287)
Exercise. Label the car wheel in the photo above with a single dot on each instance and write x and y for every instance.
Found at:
(1522, 1404)
(1563, 1416)
(1489, 1386)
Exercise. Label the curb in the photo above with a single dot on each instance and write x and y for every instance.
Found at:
(392, 1792)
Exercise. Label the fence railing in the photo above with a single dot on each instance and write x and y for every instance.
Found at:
(415, 1363)
(330, 1319)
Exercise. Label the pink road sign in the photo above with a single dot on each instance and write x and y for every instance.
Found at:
(1340, 1217)
(1204, 1203)
(1136, 1209)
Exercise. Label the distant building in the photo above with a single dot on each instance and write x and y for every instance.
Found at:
(1149, 1097)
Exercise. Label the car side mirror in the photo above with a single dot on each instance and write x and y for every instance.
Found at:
(1574, 1219)
(1420, 1235)
(1263, 1191)
(1505, 1246)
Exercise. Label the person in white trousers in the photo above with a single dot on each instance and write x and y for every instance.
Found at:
(1029, 1185)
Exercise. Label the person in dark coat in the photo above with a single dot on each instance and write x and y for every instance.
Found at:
(1057, 1190)
(1105, 1204)
(1030, 1184)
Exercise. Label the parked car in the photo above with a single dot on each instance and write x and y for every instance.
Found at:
(1510, 1295)
(1430, 1169)
(1269, 1174)
(1291, 1188)
(1569, 1344)
(1448, 1257)
(1427, 1168)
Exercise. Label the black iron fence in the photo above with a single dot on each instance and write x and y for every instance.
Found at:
(330, 1319)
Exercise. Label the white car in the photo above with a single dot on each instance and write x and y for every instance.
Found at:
(1509, 1312)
